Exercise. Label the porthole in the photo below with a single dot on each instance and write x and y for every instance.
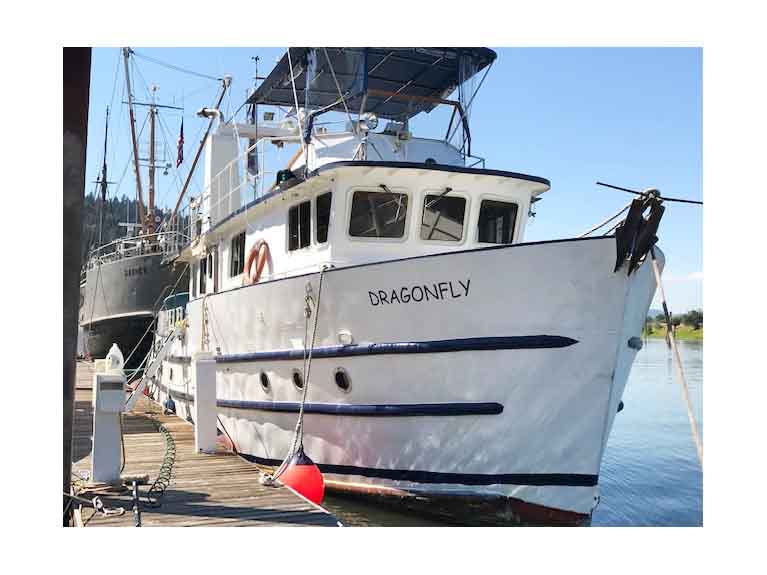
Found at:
(264, 381)
(298, 380)
(342, 380)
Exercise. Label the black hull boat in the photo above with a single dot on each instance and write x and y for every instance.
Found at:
(121, 294)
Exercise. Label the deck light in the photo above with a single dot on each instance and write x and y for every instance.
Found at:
(368, 121)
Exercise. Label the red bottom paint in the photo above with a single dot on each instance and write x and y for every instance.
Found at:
(469, 510)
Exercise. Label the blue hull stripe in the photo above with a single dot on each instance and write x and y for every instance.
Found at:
(372, 410)
(357, 410)
(538, 479)
(436, 346)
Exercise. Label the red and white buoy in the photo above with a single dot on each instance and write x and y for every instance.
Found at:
(303, 476)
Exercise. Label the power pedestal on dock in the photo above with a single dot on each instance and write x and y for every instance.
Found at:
(108, 404)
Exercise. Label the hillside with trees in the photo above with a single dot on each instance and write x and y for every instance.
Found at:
(116, 210)
(686, 326)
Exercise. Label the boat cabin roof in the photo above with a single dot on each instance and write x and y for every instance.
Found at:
(393, 83)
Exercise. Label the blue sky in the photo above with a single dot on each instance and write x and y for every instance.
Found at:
(627, 116)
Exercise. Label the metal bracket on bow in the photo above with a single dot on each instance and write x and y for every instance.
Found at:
(636, 234)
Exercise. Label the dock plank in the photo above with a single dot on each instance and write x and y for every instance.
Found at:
(220, 489)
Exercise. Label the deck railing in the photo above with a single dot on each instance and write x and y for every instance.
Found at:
(229, 190)
(234, 187)
(167, 243)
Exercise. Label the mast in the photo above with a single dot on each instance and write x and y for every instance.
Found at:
(252, 168)
(225, 84)
(139, 194)
(103, 181)
(150, 223)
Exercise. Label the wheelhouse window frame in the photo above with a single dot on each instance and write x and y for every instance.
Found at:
(296, 208)
(193, 274)
(203, 275)
(327, 225)
(467, 215)
(515, 224)
(237, 254)
(407, 192)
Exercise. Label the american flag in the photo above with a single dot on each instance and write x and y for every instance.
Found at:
(180, 156)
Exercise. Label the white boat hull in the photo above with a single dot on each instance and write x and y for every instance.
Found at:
(503, 387)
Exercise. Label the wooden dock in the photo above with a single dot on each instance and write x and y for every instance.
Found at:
(219, 489)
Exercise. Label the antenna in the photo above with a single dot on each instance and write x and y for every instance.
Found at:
(150, 223)
(646, 191)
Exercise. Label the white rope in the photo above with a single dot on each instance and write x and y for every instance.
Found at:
(679, 370)
(607, 221)
(298, 432)
(295, 99)
(338, 87)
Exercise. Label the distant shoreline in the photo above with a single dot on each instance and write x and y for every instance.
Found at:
(682, 332)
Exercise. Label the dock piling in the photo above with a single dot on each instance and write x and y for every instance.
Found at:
(205, 414)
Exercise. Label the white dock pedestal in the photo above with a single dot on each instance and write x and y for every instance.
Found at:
(205, 413)
(108, 402)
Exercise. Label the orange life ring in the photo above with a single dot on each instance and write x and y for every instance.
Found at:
(259, 253)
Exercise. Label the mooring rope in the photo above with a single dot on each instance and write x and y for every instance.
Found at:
(607, 221)
(678, 362)
(97, 504)
(298, 432)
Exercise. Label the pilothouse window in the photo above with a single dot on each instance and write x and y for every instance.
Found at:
(496, 222)
(323, 217)
(203, 273)
(378, 215)
(299, 223)
(443, 218)
(237, 255)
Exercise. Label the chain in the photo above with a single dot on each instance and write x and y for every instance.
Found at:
(204, 337)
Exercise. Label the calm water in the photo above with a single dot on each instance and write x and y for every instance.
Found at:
(650, 473)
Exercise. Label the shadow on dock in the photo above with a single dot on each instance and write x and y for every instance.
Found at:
(220, 489)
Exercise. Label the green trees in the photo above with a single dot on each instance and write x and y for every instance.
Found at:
(694, 318)
(116, 210)
(691, 322)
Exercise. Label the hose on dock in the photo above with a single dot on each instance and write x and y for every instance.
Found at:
(157, 490)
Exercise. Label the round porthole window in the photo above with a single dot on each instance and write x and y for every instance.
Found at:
(264, 381)
(342, 380)
(298, 380)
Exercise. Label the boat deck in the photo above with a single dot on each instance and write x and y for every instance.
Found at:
(220, 489)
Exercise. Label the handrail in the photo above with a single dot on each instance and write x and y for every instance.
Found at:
(235, 174)
(137, 245)
(138, 237)
(233, 179)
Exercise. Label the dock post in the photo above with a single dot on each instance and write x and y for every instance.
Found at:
(77, 72)
(205, 414)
